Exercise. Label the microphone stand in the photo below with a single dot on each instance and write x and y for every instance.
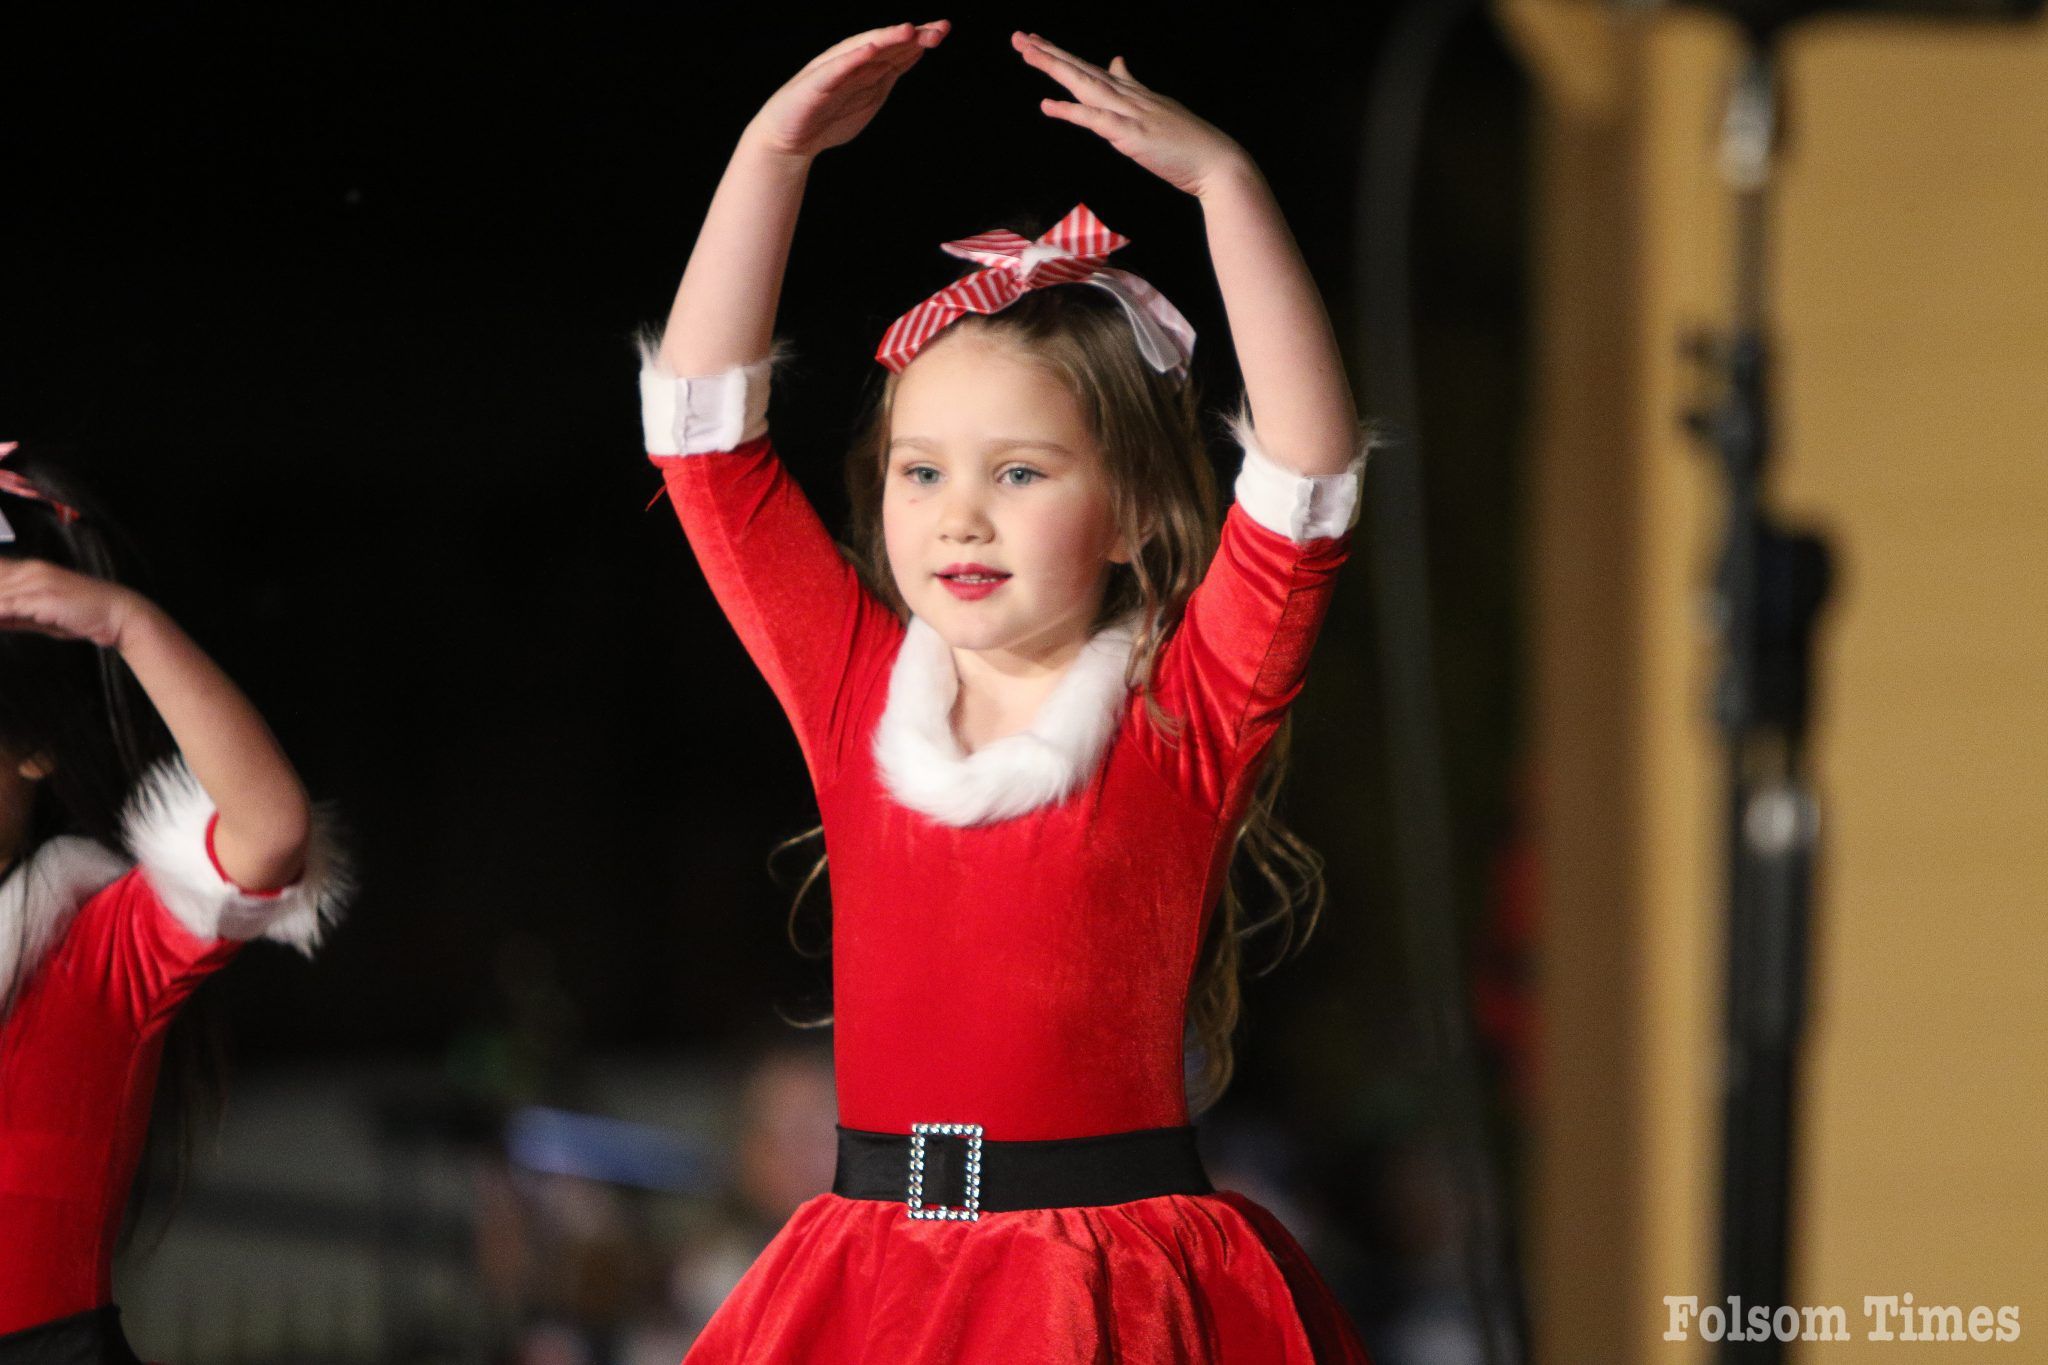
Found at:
(1769, 586)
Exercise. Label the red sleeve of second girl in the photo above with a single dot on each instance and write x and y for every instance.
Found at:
(148, 960)
(176, 916)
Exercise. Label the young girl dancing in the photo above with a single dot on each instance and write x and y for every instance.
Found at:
(111, 914)
(1035, 714)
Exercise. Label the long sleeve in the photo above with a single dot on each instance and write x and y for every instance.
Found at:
(1240, 655)
(800, 609)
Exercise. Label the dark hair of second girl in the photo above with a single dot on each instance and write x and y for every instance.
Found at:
(78, 707)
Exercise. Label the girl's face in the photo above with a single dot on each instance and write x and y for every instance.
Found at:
(18, 779)
(992, 469)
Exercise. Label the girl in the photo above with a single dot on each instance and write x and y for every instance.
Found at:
(111, 915)
(1035, 732)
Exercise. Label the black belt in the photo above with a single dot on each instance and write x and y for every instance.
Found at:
(949, 1171)
(92, 1338)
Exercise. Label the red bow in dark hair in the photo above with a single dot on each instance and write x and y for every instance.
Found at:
(11, 482)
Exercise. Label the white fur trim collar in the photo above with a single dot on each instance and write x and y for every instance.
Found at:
(39, 898)
(165, 825)
(921, 761)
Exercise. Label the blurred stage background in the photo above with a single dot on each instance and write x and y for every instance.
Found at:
(335, 305)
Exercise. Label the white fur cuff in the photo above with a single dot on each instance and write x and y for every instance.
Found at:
(1302, 507)
(692, 415)
(165, 828)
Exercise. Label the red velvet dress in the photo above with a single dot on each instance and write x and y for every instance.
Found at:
(1024, 969)
(96, 956)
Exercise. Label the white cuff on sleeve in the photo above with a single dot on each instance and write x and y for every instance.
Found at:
(1302, 507)
(165, 827)
(689, 415)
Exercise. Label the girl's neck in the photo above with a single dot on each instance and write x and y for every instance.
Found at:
(1000, 691)
(17, 803)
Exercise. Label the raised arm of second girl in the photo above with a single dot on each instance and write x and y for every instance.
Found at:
(263, 818)
(797, 605)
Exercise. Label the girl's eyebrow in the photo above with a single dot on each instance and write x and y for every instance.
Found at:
(1000, 443)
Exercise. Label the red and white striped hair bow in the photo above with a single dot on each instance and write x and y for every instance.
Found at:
(11, 482)
(1071, 252)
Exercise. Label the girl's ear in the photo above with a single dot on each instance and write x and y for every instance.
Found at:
(37, 768)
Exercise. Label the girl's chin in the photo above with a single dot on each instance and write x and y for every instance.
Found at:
(962, 630)
(957, 624)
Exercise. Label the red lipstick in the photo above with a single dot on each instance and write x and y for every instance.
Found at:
(971, 582)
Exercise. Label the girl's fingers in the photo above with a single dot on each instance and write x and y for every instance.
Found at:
(1078, 83)
(867, 79)
(1056, 51)
(894, 36)
(25, 615)
(1089, 83)
(1107, 122)
(898, 35)
(845, 71)
(850, 62)
(828, 74)
(893, 60)
(887, 33)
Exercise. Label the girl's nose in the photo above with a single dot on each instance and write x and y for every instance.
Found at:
(963, 517)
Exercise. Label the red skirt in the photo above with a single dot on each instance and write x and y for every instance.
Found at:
(1173, 1279)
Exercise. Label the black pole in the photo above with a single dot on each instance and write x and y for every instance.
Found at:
(1769, 586)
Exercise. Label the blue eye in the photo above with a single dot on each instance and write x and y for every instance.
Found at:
(914, 472)
(1033, 475)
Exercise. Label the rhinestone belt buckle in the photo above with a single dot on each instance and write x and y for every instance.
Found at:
(971, 1210)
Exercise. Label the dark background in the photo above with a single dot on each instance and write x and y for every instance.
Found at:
(335, 306)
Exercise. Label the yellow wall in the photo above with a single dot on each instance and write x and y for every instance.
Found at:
(1911, 301)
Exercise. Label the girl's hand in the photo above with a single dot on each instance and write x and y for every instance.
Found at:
(832, 98)
(39, 596)
(1152, 130)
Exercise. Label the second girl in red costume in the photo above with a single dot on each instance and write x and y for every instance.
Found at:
(1036, 712)
(122, 886)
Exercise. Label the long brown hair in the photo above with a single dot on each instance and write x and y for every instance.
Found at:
(1149, 429)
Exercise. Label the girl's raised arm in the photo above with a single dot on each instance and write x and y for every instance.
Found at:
(724, 313)
(1239, 656)
(1293, 375)
(798, 606)
(265, 818)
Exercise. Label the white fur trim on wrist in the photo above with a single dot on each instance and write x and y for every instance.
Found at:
(692, 415)
(165, 828)
(1302, 507)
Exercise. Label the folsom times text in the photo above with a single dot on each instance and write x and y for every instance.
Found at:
(1891, 1317)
